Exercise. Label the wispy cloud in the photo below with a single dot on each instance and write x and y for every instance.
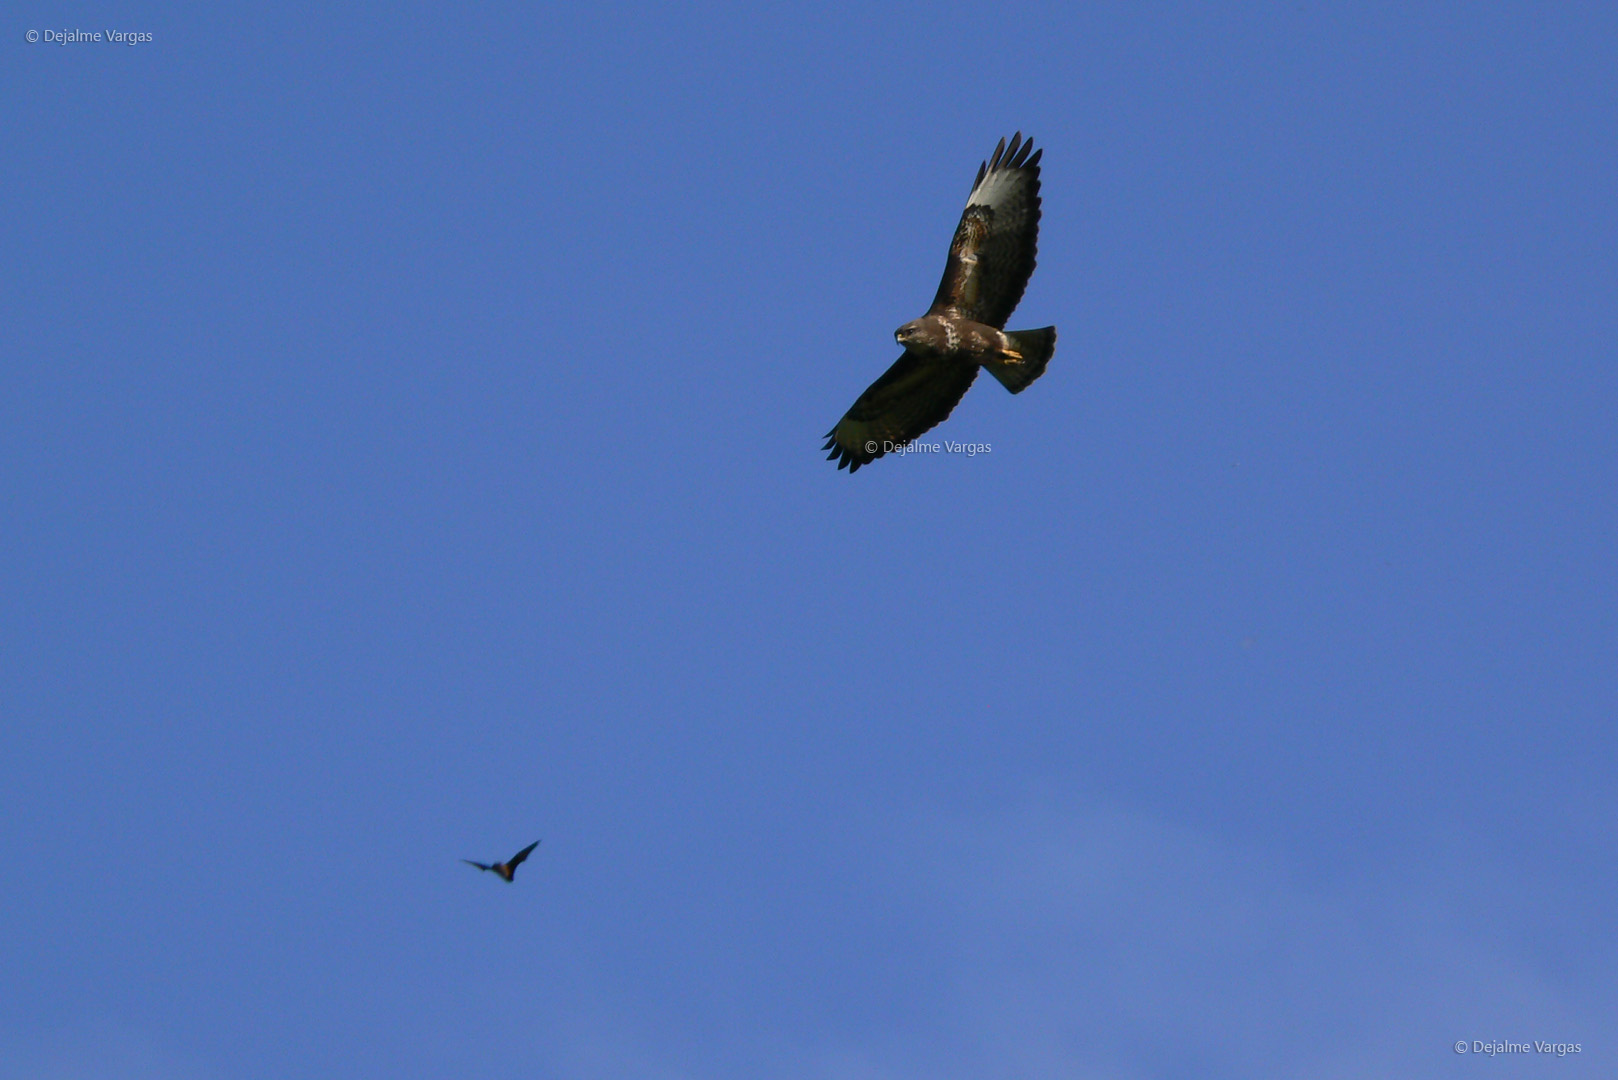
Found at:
(1094, 941)
(1090, 941)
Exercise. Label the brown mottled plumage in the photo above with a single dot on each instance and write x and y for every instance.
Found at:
(990, 261)
(507, 869)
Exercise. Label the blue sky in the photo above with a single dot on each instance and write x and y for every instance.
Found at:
(411, 423)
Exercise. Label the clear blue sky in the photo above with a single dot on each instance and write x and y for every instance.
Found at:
(410, 426)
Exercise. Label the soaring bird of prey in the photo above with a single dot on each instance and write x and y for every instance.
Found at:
(990, 261)
(507, 869)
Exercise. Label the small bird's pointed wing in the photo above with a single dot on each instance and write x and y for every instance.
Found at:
(992, 255)
(521, 855)
(480, 866)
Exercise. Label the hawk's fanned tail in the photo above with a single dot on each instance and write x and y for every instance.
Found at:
(1036, 347)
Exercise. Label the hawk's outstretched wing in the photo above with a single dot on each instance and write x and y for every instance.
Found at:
(914, 395)
(992, 255)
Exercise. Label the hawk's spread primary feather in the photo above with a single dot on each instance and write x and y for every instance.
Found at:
(990, 261)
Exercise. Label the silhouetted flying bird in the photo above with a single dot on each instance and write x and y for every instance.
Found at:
(507, 869)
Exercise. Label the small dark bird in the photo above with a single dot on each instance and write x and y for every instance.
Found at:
(507, 869)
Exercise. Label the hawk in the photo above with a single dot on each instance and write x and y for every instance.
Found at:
(507, 869)
(990, 261)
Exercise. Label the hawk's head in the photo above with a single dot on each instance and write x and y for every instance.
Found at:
(915, 335)
(928, 334)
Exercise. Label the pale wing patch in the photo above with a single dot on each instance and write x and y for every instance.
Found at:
(997, 189)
